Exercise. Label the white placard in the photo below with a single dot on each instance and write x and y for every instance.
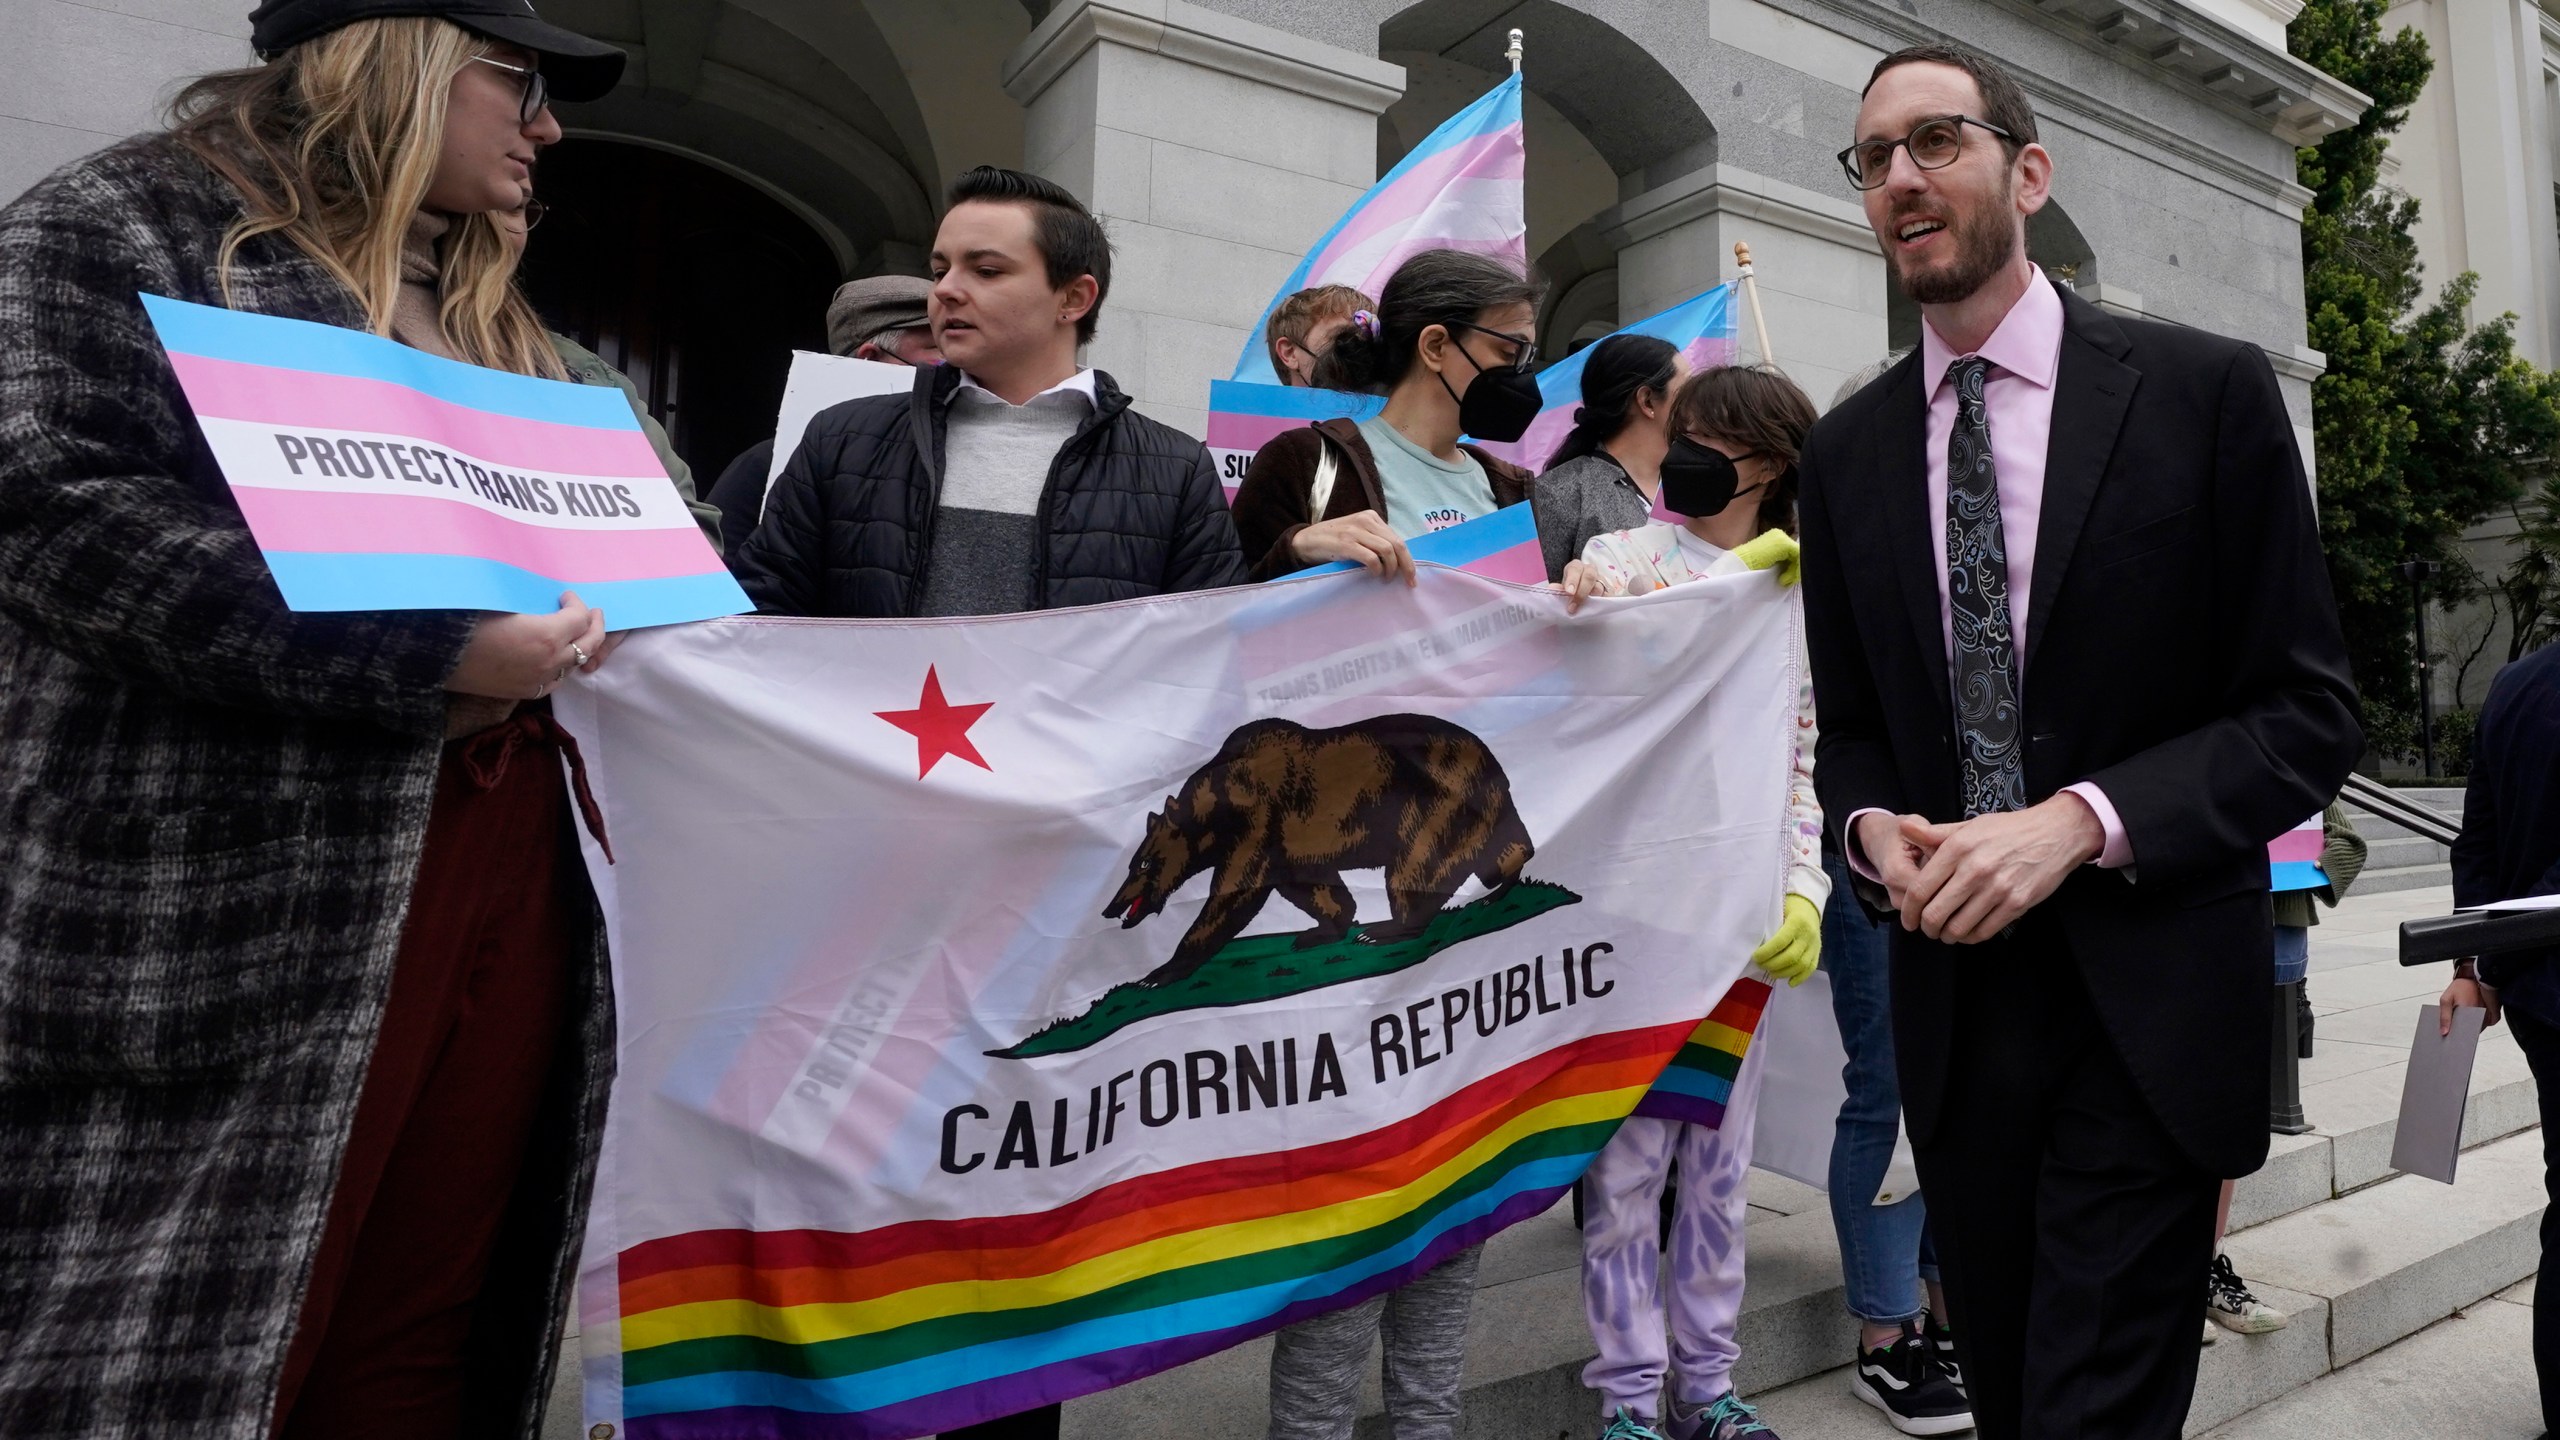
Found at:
(818, 381)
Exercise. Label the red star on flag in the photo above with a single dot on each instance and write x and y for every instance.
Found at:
(940, 727)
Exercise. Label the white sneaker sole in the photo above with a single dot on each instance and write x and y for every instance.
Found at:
(1910, 1424)
(2266, 1324)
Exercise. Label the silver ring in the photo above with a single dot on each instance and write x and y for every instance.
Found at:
(577, 650)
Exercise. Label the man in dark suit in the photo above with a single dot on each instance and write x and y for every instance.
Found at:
(2077, 662)
(2510, 848)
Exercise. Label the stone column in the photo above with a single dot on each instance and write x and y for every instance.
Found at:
(1822, 281)
(1215, 150)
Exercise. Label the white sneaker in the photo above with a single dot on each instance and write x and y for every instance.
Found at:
(2229, 1304)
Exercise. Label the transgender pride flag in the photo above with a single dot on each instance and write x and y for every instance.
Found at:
(1458, 190)
(1702, 328)
(378, 477)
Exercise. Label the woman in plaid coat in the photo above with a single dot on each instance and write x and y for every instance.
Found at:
(304, 1027)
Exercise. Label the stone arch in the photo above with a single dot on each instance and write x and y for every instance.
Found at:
(852, 115)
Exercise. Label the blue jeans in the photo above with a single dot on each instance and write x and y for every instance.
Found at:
(2293, 953)
(1884, 1249)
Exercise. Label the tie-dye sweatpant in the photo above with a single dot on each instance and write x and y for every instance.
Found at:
(1643, 1334)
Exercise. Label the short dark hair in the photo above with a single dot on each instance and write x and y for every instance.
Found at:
(2003, 103)
(1760, 409)
(1432, 287)
(1071, 240)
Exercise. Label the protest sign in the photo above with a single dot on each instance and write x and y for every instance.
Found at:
(2293, 858)
(977, 1093)
(1244, 416)
(378, 477)
(818, 381)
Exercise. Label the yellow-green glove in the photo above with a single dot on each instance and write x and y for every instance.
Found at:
(1793, 952)
(1773, 549)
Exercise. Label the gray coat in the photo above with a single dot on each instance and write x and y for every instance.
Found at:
(1586, 496)
(211, 812)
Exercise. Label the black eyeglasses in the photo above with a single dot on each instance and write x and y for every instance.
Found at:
(1934, 145)
(1528, 348)
(537, 91)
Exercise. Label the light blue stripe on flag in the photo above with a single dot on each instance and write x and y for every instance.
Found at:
(313, 580)
(1291, 402)
(273, 340)
(1459, 546)
(2297, 875)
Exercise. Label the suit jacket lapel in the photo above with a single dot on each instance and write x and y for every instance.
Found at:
(2092, 388)
(1902, 431)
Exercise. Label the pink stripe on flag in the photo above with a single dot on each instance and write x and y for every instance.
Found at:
(1247, 432)
(2296, 845)
(285, 520)
(1523, 564)
(302, 399)
(1497, 156)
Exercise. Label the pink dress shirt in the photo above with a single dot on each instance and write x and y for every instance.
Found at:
(2025, 352)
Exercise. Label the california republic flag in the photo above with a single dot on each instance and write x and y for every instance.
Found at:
(1014, 1007)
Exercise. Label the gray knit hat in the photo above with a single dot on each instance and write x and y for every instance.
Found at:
(866, 309)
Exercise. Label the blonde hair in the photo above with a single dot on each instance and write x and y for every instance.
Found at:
(333, 145)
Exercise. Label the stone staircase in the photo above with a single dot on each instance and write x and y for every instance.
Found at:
(2326, 1230)
(2401, 859)
(2360, 1256)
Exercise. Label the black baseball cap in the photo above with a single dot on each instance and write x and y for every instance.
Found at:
(576, 67)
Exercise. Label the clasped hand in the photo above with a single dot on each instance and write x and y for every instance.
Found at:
(1964, 883)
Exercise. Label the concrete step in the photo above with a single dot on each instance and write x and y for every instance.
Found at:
(2403, 877)
(2402, 850)
(2351, 1093)
(2396, 1257)
(2356, 1273)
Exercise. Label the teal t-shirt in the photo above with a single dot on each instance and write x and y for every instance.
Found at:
(1424, 492)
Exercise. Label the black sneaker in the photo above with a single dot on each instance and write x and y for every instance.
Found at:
(1942, 1343)
(1906, 1382)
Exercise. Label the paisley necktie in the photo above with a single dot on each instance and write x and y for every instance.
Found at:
(1985, 680)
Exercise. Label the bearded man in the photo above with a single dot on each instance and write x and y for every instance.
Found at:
(2078, 662)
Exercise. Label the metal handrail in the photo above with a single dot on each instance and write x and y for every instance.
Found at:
(2400, 810)
(2476, 932)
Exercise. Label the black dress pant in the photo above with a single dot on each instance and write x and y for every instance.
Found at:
(2074, 1235)
(2540, 1041)
(1038, 1423)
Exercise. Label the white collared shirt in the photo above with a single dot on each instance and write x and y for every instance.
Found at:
(1080, 382)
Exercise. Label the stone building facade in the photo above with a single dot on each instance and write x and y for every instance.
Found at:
(776, 146)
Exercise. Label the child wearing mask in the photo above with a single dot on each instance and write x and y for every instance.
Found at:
(1728, 476)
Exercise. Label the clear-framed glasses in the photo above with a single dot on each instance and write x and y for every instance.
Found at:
(533, 212)
(537, 91)
(1934, 145)
(1527, 357)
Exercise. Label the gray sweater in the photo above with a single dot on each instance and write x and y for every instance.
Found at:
(1581, 498)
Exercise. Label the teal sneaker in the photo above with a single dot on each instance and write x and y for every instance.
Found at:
(1628, 1427)
(1724, 1418)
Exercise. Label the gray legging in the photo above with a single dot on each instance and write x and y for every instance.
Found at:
(1317, 1364)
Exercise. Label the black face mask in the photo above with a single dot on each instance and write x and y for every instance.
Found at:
(1499, 404)
(1697, 481)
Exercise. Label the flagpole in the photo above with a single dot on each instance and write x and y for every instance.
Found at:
(1513, 54)
(1751, 292)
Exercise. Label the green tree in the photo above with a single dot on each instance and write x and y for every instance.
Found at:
(2423, 424)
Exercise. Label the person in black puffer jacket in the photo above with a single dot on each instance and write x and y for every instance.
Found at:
(1007, 479)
